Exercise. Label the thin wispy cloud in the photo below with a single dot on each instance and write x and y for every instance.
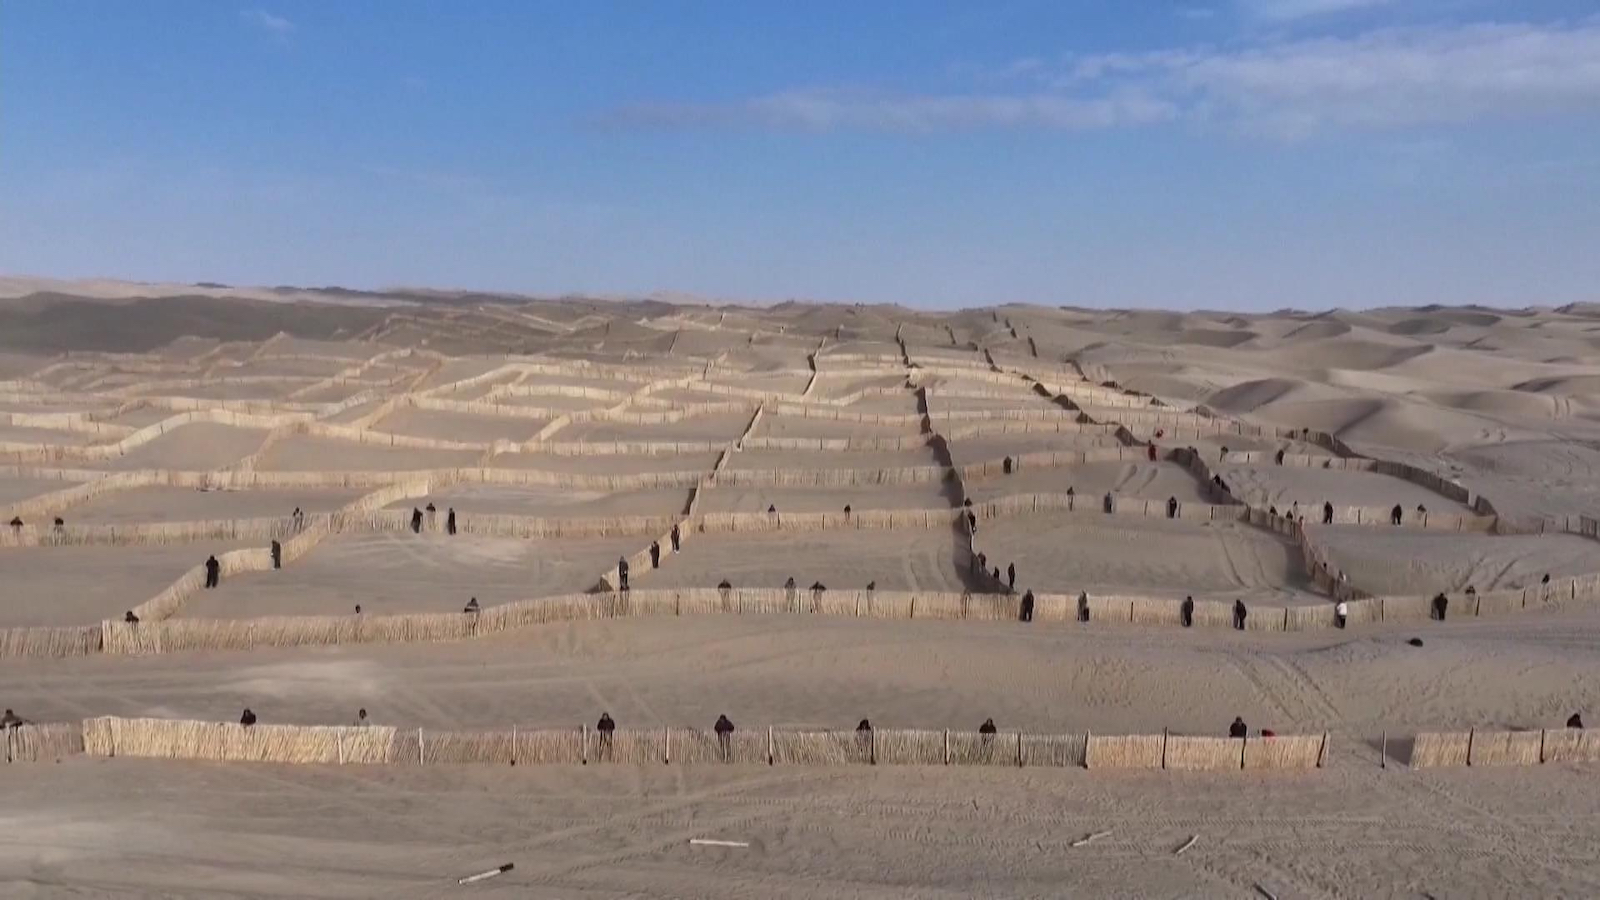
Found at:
(1288, 10)
(266, 21)
(1287, 88)
(823, 110)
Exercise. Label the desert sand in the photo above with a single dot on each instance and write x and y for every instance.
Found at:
(263, 400)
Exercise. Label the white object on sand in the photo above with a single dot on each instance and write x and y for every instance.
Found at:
(1186, 845)
(1093, 837)
(704, 842)
(489, 874)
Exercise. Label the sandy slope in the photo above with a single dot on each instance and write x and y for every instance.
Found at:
(1504, 401)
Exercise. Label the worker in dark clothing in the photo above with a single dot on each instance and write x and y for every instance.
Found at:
(655, 554)
(277, 555)
(471, 607)
(1239, 614)
(416, 520)
(1186, 612)
(16, 521)
(1421, 510)
(1027, 607)
(724, 730)
(1441, 605)
(1546, 579)
(724, 590)
(1238, 729)
(1107, 502)
(450, 521)
(674, 538)
(213, 572)
(872, 586)
(1152, 452)
(130, 618)
(622, 573)
(817, 590)
(1005, 465)
(1083, 606)
(1272, 511)
(1172, 507)
(358, 609)
(847, 510)
(433, 512)
(1396, 514)
(864, 739)
(1327, 513)
(248, 718)
(772, 509)
(987, 731)
(1279, 457)
(12, 720)
(791, 593)
(606, 728)
(1224, 454)
(1574, 722)
(1011, 576)
(972, 522)
(997, 574)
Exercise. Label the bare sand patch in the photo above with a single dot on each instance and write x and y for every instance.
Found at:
(464, 427)
(54, 437)
(1408, 561)
(1283, 486)
(844, 459)
(174, 504)
(709, 427)
(782, 426)
(607, 463)
(83, 585)
(198, 446)
(310, 454)
(824, 500)
(552, 501)
(919, 559)
(1065, 553)
(14, 489)
(1092, 481)
(404, 572)
(967, 451)
(776, 383)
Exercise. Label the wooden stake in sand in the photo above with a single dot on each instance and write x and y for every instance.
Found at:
(1264, 892)
(706, 842)
(1087, 839)
(1186, 845)
(500, 870)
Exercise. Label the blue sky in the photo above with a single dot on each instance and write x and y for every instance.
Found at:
(1246, 154)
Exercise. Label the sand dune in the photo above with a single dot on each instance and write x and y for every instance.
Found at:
(1505, 403)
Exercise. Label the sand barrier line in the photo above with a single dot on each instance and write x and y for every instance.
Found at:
(150, 738)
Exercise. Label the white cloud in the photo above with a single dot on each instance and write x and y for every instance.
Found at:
(834, 110)
(1287, 10)
(265, 20)
(1390, 78)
